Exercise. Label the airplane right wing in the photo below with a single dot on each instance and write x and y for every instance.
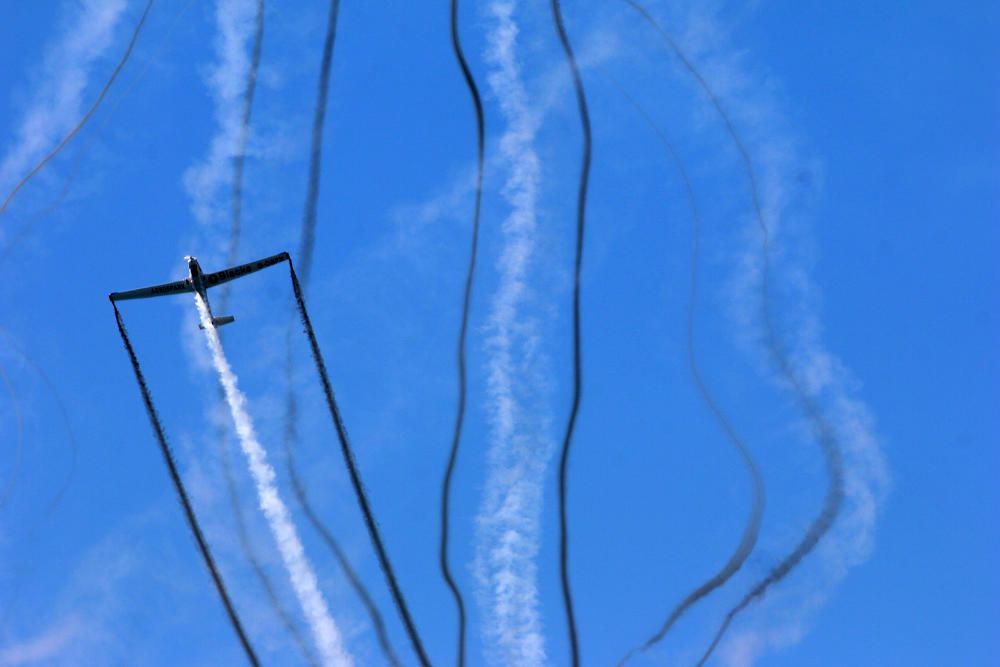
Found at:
(177, 287)
(224, 276)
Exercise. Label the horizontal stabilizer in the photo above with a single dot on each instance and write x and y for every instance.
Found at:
(219, 321)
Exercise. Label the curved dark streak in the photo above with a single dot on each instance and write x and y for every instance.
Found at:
(86, 117)
(345, 564)
(189, 514)
(752, 529)
(64, 417)
(581, 208)
(832, 455)
(19, 451)
(463, 328)
(316, 151)
(352, 469)
(47, 210)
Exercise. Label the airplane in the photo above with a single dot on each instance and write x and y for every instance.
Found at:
(200, 282)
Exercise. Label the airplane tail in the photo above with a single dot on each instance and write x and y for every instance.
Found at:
(219, 321)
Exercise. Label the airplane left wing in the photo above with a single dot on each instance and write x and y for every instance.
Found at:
(177, 287)
(224, 276)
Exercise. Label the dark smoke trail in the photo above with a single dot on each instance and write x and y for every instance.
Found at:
(316, 151)
(168, 457)
(352, 469)
(86, 117)
(19, 451)
(581, 208)
(750, 532)
(822, 430)
(477, 104)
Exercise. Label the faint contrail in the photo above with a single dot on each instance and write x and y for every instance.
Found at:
(168, 457)
(316, 150)
(64, 417)
(752, 528)
(41, 214)
(19, 449)
(477, 105)
(352, 469)
(508, 521)
(303, 579)
(581, 212)
(83, 121)
(832, 455)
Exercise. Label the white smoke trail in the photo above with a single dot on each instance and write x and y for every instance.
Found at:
(508, 523)
(303, 579)
(227, 82)
(57, 99)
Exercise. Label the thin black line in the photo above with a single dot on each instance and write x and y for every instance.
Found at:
(308, 241)
(175, 477)
(463, 328)
(581, 207)
(752, 529)
(86, 117)
(352, 469)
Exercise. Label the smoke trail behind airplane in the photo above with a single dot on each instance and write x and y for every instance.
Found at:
(508, 521)
(303, 579)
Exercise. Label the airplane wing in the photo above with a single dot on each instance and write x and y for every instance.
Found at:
(225, 275)
(177, 287)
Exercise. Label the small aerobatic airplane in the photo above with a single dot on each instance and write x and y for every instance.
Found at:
(199, 282)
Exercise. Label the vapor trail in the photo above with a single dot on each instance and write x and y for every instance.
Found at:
(477, 104)
(508, 521)
(352, 469)
(168, 457)
(86, 117)
(316, 150)
(300, 572)
(752, 528)
(831, 450)
(581, 212)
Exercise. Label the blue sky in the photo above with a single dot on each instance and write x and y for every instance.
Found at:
(873, 134)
